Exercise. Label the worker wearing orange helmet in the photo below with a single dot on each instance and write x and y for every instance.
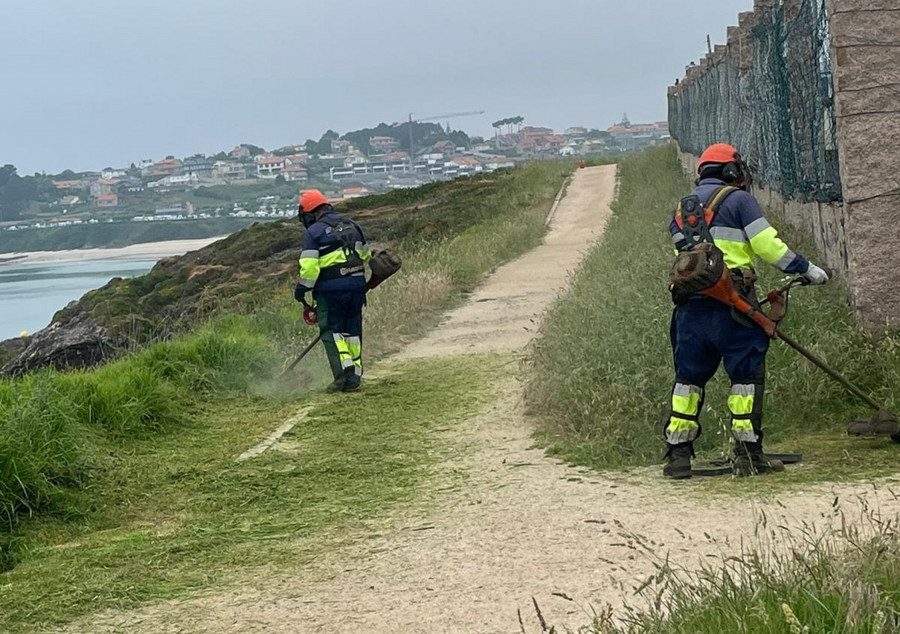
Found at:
(704, 331)
(332, 269)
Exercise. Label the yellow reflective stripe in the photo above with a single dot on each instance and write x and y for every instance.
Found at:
(738, 255)
(309, 269)
(767, 245)
(354, 345)
(740, 405)
(343, 349)
(681, 424)
(332, 259)
(689, 405)
(681, 430)
(741, 424)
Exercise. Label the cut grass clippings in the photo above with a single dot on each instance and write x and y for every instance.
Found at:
(177, 512)
(601, 368)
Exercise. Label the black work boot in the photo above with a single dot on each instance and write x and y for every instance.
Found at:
(678, 461)
(351, 380)
(337, 385)
(749, 460)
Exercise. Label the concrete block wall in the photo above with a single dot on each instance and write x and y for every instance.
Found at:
(865, 45)
(860, 234)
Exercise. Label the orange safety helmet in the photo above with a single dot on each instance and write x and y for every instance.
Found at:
(718, 153)
(310, 200)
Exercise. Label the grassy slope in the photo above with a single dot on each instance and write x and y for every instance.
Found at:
(255, 268)
(601, 369)
(117, 483)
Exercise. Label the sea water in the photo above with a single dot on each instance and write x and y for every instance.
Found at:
(31, 293)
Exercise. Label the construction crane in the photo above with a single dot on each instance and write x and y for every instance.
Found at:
(412, 145)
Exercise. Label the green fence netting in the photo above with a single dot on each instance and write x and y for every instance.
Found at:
(771, 96)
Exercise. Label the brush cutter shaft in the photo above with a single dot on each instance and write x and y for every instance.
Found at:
(725, 291)
(830, 372)
(312, 344)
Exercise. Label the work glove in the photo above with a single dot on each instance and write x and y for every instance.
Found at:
(815, 275)
(300, 292)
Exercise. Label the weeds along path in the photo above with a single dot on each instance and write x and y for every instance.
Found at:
(507, 523)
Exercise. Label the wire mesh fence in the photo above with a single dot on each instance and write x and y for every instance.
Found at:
(770, 94)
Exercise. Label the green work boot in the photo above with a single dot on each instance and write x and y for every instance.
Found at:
(678, 461)
(749, 460)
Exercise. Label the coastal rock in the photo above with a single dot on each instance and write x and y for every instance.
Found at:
(13, 348)
(77, 343)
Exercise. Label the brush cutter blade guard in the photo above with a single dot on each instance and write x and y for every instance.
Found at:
(882, 423)
(724, 465)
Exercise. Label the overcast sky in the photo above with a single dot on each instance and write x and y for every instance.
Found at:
(90, 83)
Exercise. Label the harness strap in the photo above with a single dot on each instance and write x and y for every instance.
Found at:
(719, 197)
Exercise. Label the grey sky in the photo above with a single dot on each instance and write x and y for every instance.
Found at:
(90, 83)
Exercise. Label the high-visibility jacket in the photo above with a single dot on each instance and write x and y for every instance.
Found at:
(325, 265)
(741, 231)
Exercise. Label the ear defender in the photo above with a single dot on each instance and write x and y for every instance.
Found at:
(736, 171)
(731, 172)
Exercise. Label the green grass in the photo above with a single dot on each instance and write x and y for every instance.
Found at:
(171, 513)
(119, 486)
(801, 581)
(48, 421)
(601, 369)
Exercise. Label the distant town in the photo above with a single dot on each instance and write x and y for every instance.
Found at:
(251, 182)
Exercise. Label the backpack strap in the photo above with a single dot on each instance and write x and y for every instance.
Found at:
(718, 198)
(694, 218)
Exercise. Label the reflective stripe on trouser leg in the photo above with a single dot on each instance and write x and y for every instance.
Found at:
(343, 348)
(354, 345)
(745, 411)
(684, 423)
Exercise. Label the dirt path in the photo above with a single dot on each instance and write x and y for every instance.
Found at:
(522, 525)
(502, 314)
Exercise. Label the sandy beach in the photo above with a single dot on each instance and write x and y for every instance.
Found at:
(143, 251)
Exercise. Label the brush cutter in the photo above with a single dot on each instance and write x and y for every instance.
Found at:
(383, 264)
(882, 423)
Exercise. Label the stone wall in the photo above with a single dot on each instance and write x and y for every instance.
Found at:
(835, 96)
(865, 41)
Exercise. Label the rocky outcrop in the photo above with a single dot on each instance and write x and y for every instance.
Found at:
(76, 344)
(12, 348)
